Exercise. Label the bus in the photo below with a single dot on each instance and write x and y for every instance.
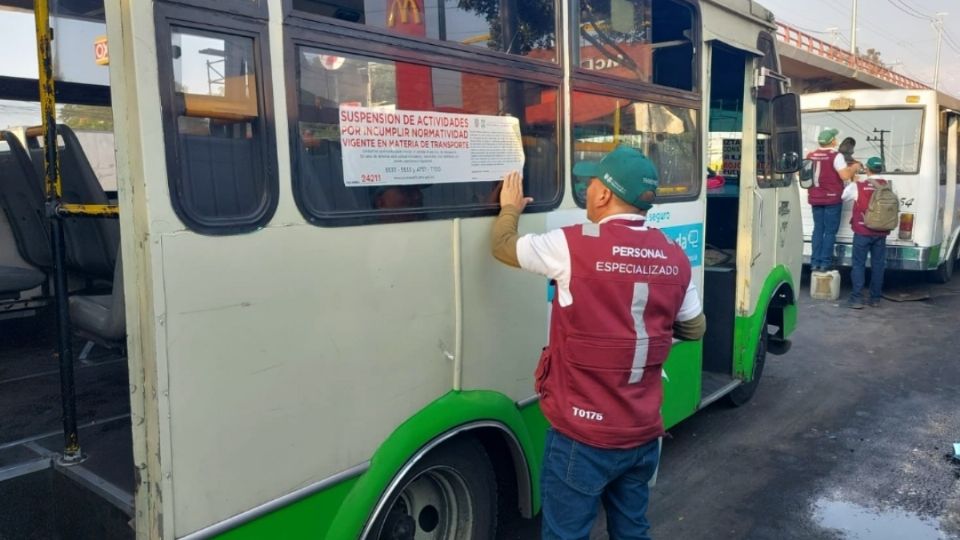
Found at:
(290, 324)
(915, 133)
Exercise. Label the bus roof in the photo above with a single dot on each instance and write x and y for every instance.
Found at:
(879, 97)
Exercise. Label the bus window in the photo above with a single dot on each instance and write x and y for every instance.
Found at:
(218, 161)
(667, 135)
(331, 81)
(893, 134)
(525, 28)
(641, 40)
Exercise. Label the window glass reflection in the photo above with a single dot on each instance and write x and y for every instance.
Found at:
(331, 83)
(524, 27)
(644, 40)
(665, 134)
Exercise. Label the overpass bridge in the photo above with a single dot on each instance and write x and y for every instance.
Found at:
(814, 65)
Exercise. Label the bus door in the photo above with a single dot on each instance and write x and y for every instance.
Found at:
(948, 175)
(746, 221)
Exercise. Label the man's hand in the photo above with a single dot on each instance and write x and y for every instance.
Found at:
(511, 192)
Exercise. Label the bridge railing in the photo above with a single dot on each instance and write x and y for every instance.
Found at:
(805, 42)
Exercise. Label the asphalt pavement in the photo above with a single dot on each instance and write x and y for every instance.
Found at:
(848, 437)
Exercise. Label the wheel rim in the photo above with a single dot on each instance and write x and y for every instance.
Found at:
(436, 504)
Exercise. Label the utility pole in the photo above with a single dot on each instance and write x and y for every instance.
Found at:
(853, 38)
(880, 139)
(938, 25)
(853, 30)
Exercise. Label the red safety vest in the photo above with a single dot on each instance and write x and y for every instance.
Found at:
(827, 186)
(864, 192)
(599, 380)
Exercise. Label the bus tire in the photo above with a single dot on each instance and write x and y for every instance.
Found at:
(944, 272)
(450, 494)
(743, 393)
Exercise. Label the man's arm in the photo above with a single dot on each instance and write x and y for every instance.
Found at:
(849, 192)
(690, 324)
(691, 330)
(503, 238)
(845, 171)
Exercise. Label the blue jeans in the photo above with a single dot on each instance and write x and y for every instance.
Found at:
(876, 246)
(577, 478)
(826, 223)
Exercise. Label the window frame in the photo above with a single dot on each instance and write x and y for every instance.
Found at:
(776, 180)
(249, 8)
(168, 16)
(579, 75)
(594, 82)
(646, 98)
(357, 39)
(383, 36)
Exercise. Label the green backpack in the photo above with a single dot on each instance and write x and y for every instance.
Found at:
(883, 210)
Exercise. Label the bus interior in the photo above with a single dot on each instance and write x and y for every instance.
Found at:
(44, 496)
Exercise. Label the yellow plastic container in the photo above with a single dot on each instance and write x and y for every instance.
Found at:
(825, 285)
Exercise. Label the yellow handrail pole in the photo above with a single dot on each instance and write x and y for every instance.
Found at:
(71, 447)
(616, 125)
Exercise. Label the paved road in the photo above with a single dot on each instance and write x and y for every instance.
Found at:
(847, 436)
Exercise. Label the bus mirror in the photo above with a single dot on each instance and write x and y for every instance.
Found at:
(786, 138)
(806, 174)
(789, 162)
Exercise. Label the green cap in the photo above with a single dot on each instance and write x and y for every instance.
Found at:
(627, 173)
(875, 164)
(827, 135)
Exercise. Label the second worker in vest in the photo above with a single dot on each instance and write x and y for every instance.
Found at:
(623, 293)
(866, 241)
(831, 171)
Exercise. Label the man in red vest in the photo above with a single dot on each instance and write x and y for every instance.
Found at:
(866, 240)
(623, 293)
(831, 171)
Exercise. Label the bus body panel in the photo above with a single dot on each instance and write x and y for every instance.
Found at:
(253, 371)
(293, 360)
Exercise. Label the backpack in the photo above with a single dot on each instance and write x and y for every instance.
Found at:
(883, 210)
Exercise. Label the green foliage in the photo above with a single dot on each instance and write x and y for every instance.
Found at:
(534, 22)
(87, 117)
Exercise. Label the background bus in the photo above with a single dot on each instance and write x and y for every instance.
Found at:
(319, 351)
(915, 132)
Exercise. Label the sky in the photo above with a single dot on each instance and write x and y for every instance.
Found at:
(900, 29)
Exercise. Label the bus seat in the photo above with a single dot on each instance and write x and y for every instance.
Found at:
(219, 176)
(91, 243)
(14, 280)
(22, 200)
(101, 318)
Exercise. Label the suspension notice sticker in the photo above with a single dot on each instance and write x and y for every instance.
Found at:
(394, 147)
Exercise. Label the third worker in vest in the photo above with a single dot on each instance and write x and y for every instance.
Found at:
(830, 172)
(867, 241)
(623, 293)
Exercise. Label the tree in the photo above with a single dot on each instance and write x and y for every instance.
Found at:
(534, 24)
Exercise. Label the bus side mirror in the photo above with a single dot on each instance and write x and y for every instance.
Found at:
(806, 174)
(786, 137)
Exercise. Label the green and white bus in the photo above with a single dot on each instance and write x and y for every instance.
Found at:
(915, 132)
(319, 343)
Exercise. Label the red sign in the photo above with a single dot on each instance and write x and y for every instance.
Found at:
(101, 53)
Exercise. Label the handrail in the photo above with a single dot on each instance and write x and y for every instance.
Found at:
(816, 46)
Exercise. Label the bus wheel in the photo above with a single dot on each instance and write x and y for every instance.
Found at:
(944, 272)
(743, 393)
(449, 495)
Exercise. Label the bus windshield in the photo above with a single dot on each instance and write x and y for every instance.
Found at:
(892, 134)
